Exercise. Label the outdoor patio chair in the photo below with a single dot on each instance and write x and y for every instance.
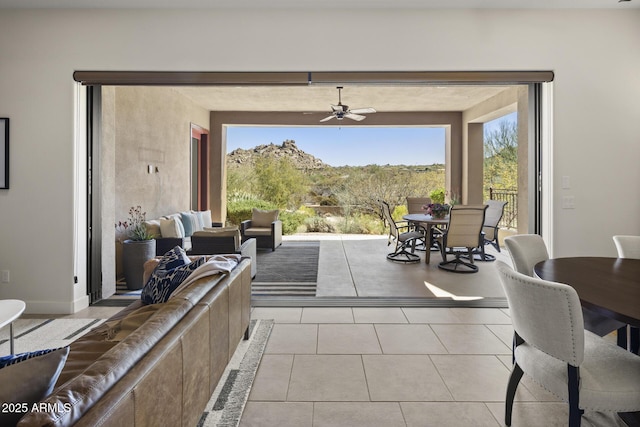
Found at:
(403, 235)
(462, 236)
(265, 227)
(552, 347)
(415, 204)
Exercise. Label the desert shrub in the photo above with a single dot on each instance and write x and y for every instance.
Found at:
(361, 224)
(292, 221)
(399, 212)
(239, 209)
(318, 224)
(437, 196)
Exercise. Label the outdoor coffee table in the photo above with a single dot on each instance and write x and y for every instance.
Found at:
(10, 310)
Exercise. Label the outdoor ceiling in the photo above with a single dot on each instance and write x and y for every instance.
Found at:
(323, 4)
(320, 98)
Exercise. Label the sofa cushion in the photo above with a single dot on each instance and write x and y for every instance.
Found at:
(190, 222)
(258, 231)
(32, 377)
(153, 228)
(205, 218)
(263, 218)
(171, 227)
(164, 281)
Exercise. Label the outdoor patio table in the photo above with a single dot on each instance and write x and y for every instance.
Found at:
(428, 222)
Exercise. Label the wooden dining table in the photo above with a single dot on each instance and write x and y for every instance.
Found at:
(428, 222)
(609, 286)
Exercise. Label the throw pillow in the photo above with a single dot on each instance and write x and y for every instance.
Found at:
(176, 257)
(263, 218)
(190, 222)
(164, 281)
(169, 227)
(153, 228)
(30, 378)
(205, 218)
(199, 221)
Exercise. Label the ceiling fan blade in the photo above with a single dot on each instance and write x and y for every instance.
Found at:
(356, 117)
(327, 119)
(363, 111)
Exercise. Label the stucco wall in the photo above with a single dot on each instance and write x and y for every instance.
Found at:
(593, 53)
(151, 126)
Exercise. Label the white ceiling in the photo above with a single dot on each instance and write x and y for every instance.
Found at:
(320, 98)
(323, 4)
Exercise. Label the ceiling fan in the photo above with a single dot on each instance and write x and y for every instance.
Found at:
(341, 111)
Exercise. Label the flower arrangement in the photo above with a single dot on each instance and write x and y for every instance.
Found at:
(437, 210)
(134, 228)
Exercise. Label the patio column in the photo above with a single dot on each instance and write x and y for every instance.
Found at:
(473, 165)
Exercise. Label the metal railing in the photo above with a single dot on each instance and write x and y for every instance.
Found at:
(509, 195)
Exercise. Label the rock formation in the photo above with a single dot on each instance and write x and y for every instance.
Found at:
(288, 149)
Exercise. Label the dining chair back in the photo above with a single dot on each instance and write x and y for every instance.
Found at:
(495, 211)
(415, 204)
(462, 236)
(627, 246)
(551, 346)
(526, 250)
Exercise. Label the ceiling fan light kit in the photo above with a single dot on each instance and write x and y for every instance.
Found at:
(341, 111)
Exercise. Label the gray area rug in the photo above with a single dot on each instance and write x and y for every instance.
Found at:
(290, 270)
(42, 334)
(230, 396)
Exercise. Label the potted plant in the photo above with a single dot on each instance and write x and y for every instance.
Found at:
(138, 247)
(437, 210)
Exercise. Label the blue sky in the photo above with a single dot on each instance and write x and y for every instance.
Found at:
(351, 145)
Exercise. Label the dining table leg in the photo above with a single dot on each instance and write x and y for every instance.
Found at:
(427, 244)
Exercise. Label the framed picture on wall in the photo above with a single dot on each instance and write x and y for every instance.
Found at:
(4, 153)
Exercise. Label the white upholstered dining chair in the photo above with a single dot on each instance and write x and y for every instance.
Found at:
(526, 250)
(629, 247)
(552, 347)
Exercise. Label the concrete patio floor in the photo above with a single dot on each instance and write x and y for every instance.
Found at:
(355, 268)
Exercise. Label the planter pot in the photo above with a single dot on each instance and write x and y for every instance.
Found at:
(134, 254)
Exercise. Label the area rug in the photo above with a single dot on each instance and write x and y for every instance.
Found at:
(290, 270)
(40, 334)
(230, 396)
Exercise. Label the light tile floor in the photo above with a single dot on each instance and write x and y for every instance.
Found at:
(384, 367)
(366, 366)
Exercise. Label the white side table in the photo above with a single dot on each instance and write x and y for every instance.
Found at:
(10, 310)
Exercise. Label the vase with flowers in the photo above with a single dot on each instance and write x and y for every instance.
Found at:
(437, 210)
(138, 247)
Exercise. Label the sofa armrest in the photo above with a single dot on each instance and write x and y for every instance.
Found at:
(276, 233)
(165, 244)
(249, 249)
(244, 225)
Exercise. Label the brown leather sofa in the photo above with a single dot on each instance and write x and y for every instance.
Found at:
(164, 371)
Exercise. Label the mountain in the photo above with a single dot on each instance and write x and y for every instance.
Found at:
(287, 149)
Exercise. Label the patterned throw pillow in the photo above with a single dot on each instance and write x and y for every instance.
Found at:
(174, 258)
(164, 281)
(28, 378)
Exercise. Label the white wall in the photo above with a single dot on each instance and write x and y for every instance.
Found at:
(593, 53)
